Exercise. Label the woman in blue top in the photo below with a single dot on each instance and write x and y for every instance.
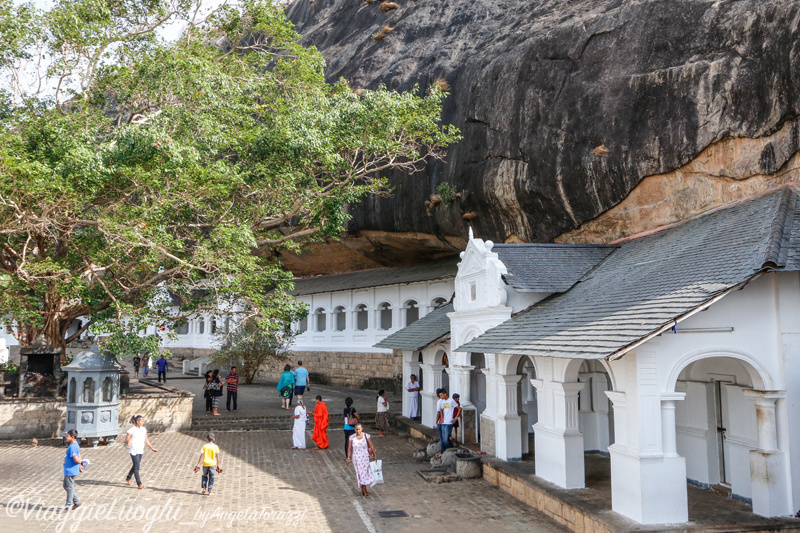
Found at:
(286, 386)
(349, 429)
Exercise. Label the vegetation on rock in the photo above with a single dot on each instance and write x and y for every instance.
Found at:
(136, 169)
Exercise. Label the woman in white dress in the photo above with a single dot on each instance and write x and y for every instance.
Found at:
(299, 430)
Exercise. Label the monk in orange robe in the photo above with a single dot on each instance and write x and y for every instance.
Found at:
(320, 435)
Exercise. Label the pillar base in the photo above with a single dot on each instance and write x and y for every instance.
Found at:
(768, 478)
(508, 431)
(649, 490)
(559, 457)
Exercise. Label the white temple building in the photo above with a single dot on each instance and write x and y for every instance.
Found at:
(676, 352)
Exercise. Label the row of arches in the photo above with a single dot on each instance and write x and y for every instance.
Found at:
(715, 413)
(360, 318)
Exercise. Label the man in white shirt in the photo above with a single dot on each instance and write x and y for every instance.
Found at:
(446, 411)
(413, 397)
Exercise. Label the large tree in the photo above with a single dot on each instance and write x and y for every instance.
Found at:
(132, 165)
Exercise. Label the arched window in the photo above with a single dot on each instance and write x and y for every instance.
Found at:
(88, 391)
(201, 326)
(72, 387)
(213, 325)
(438, 302)
(182, 327)
(319, 319)
(362, 317)
(385, 311)
(340, 318)
(412, 312)
(302, 326)
(108, 389)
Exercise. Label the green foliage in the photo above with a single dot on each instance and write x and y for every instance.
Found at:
(256, 342)
(146, 167)
(446, 192)
(9, 368)
(124, 339)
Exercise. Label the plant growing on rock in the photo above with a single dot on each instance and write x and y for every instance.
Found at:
(133, 166)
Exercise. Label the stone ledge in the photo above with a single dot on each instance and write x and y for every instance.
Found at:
(569, 510)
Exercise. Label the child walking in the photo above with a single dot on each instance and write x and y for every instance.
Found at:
(72, 467)
(211, 461)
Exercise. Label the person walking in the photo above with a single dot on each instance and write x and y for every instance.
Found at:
(285, 386)
(320, 435)
(299, 430)
(207, 392)
(232, 386)
(215, 390)
(413, 388)
(360, 452)
(446, 411)
(301, 381)
(136, 362)
(382, 413)
(145, 366)
(350, 420)
(136, 439)
(72, 467)
(162, 368)
(211, 461)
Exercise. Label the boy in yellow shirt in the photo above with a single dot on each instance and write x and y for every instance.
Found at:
(211, 461)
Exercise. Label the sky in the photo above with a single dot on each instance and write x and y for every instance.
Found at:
(28, 74)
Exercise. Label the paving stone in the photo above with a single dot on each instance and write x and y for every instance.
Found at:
(264, 486)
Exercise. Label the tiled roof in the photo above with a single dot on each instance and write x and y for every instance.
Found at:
(548, 267)
(421, 333)
(650, 281)
(442, 269)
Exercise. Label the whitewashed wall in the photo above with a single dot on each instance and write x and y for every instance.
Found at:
(353, 340)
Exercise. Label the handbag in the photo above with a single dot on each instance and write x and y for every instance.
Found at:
(377, 472)
(350, 420)
(285, 392)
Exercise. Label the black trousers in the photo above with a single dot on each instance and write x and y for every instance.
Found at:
(231, 394)
(347, 433)
(162, 373)
(208, 403)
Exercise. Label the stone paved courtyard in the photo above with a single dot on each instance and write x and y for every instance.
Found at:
(265, 486)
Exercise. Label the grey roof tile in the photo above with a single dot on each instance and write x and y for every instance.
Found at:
(421, 333)
(650, 281)
(435, 270)
(548, 267)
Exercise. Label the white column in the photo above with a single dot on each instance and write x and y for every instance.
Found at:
(488, 419)
(459, 383)
(508, 429)
(558, 441)
(647, 485)
(431, 382)
(669, 441)
(768, 473)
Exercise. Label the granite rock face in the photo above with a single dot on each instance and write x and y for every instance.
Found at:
(565, 106)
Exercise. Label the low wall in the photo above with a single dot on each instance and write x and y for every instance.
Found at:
(347, 369)
(27, 418)
(165, 409)
(169, 409)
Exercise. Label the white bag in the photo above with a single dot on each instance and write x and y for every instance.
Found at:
(377, 472)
